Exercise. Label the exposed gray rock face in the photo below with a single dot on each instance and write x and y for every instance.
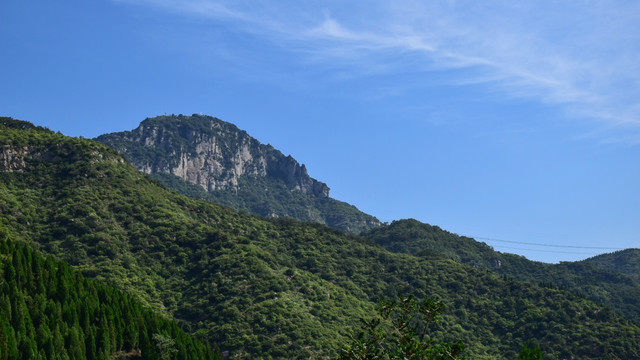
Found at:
(208, 152)
(207, 158)
(12, 159)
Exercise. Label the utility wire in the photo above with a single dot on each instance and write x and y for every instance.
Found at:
(549, 251)
(549, 245)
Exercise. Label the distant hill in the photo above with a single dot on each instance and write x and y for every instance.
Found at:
(270, 288)
(206, 158)
(610, 279)
(626, 262)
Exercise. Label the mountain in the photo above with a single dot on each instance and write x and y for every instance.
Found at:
(206, 158)
(610, 279)
(267, 287)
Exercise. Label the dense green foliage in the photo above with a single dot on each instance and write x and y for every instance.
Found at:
(597, 279)
(275, 288)
(270, 195)
(401, 331)
(530, 352)
(626, 262)
(277, 201)
(49, 311)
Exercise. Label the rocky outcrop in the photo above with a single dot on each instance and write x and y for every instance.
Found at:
(207, 158)
(12, 159)
(16, 158)
(208, 152)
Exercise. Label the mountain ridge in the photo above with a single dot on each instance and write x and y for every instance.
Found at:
(625, 261)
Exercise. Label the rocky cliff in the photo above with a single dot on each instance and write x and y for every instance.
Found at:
(207, 158)
(12, 159)
(208, 152)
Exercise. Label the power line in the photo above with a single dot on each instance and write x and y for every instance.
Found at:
(549, 251)
(548, 245)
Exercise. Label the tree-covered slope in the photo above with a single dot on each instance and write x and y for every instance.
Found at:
(626, 262)
(49, 311)
(270, 288)
(206, 158)
(606, 279)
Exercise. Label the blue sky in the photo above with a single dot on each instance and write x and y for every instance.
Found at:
(506, 120)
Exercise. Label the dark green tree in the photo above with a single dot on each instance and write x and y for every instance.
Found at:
(530, 352)
(166, 345)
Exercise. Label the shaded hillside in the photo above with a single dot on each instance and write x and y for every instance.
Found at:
(626, 262)
(229, 167)
(606, 279)
(268, 287)
(49, 311)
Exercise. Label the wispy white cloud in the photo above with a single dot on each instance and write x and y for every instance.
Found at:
(583, 55)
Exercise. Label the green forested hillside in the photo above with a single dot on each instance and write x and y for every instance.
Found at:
(49, 311)
(607, 279)
(626, 262)
(270, 288)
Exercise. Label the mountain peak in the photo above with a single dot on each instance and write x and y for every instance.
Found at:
(204, 157)
(208, 152)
